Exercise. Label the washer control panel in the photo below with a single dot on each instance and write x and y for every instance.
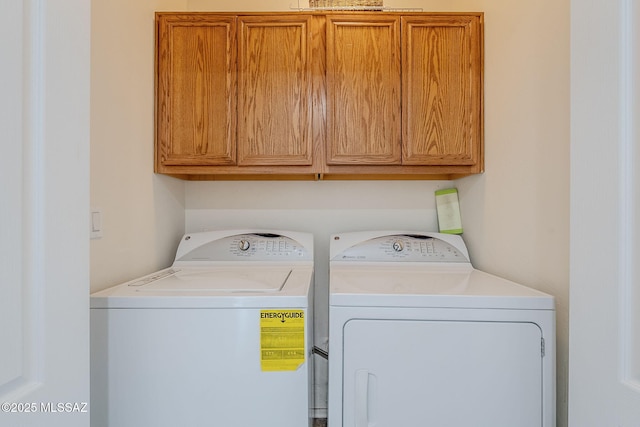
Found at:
(404, 248)
(250, 246)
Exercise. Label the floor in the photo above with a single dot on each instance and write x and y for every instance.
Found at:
(320, 422)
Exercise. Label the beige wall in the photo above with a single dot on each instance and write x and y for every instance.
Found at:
(515, 215)
(143, 214)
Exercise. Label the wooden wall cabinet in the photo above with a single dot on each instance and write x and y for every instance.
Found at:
(404, 94)
(319, 95)
(234, 94)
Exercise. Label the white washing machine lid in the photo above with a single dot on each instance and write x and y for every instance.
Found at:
(230, 279)
(428, 286)
(237, 286)
(224, 269)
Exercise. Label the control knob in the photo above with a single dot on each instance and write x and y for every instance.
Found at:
(398, 246)
(244, 245)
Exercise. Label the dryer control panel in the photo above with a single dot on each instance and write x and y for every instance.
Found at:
(242, 247)
(404, 248)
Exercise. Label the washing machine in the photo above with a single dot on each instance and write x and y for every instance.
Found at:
(221, 338)
(419, 337)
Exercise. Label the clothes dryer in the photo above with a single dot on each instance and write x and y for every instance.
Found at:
(221, 338)
(418, 337)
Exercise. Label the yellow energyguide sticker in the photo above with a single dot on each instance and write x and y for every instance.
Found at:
(281, 340)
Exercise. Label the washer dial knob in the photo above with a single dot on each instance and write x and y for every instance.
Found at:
(244, 245)
(398, 246)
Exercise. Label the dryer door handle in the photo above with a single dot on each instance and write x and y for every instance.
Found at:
(365, 391)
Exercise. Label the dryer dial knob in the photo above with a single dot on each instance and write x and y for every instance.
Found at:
(244, 245)
(398, 246)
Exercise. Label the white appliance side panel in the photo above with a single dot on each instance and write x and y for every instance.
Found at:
(190, 367)
(441, 373)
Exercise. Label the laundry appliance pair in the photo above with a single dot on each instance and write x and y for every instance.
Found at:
(417, 336)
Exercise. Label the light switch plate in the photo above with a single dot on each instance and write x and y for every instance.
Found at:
(95, 223)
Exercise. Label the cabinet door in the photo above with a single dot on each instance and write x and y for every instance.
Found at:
(363, 89)
(441, 94)
(196, 83)
(274, 92)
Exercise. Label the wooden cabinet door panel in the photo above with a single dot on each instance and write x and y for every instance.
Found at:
(274, 93)
(363, 89)
(196, 90)
(441, 90)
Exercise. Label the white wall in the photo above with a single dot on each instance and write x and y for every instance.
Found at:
(44, 169)
(515, 215)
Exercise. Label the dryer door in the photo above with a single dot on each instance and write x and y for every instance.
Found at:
(442, 373)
